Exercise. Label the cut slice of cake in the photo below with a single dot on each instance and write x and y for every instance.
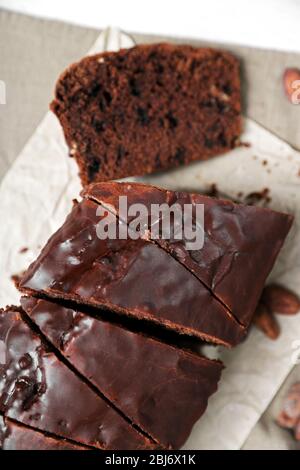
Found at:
(162, 389)
(15, 436)
(39, 390)
(133, 277)
(241, 243)
(148, 108)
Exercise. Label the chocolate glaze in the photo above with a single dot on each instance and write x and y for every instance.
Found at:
(162, 389)
(14, 436)
(38, 390)
(240, 246)
(135, 277)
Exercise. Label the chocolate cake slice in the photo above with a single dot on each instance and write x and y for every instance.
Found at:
(14, 436)
(38, 390)
(162, 389)
(148, 108)
(241, 242)
(133, 277)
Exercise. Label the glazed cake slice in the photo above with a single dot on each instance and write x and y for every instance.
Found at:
(241, 243)
(162, 389)
(132, 277)
(148, 108)
(38, 390)
(14, 436)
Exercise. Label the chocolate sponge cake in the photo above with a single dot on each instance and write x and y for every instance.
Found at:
(148, 108)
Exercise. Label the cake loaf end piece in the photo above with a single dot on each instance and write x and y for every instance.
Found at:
(148, 108)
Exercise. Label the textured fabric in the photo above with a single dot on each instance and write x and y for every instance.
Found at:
(32, 54)
(266, 434)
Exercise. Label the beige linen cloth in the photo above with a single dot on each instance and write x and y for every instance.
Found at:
(32, 54)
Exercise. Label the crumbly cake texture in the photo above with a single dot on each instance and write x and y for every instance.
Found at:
(148, 108)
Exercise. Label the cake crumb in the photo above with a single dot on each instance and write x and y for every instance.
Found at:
(24, 249)
(245, 144)
(258, 197)
(16, 279)
(213, 191)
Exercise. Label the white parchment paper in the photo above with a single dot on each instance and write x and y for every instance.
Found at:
(36, 195)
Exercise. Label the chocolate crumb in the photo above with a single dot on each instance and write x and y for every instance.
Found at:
(245, 144)
(261, 198)
(16, 278)
(213, 191)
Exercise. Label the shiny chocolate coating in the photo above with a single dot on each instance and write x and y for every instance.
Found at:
(162, 389)
(135, 277)
(38, 390)
(241, 242)
(14, 436)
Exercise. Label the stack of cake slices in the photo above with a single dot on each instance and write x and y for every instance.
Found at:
(104, 351)
(84, 365)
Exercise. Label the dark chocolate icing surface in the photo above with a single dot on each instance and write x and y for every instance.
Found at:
(163, 389)
(241, 242)
(39, 390)
(135, 277)
(14, 436)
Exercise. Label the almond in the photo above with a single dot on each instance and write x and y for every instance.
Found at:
(278, 299)
(290, 78)
(297, 431)
(289, 416)
(266, 322)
